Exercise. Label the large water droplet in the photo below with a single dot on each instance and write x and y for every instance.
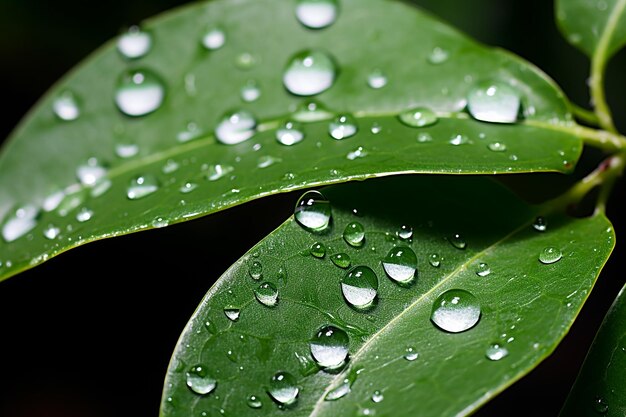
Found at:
(550, 255)
(354, 234)
(142, 186)
(318, 250)
(410, 354)
(283, 388)
(235, 127)
(377, 79)
(232, 313)
(66, 106)
(267, 294)
(22, 221)
(343, 127)
(494, 102)
(213, 39)
(540, 224)
(418, 117)
(400, 264)
(360, 286)
(496, 351)
(89, 173)
(342, 260)
(482, 269)
(309, 72)
(139, 92)
(456, 311)
(217, 171)
(254, 402)
(313, 211)
(135, 43)
(317, 14)
(329, 347)
(289, 133)
(199, 380)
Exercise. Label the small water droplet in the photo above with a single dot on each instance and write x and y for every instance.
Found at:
(236, 127)
(360, 286)
(89, 173)
(377, 79)
(139, 92)
(199, 380)
(170, 166)
(494, 102)
(187, 187)
(318, 250)
(377, 396)
(213, 39)
(309, 72)
(418, 117)
(424, 137)
(191, 131)
(410, 354)
(342, 260)
(455, 311)
(126, 150)
(329, 347)
(343, 127)
(250, 92)
(66, 106)
(359, 152)
(267, 294)
(354, 234)
(339, 391)
(22, 221)
(550, 255)
(317, 14)
(405, 232)
(438, 56)
(51, 232)
(311, 111)
(376, 129)
(497, 147)
(313, 211)
(496, 351)
(84, 214)
(217, 171)
(142, 186)
(289, 133)
(245, 61)
(457, 241)
(159, 222)
(254, 402)
(135, 43)
(400, 264)
(283, 388)
(267, 161)
(482, 270)
(600, 405)
(255, 270)
(435, 260)
(540, 224)
(459, 139)
(232, 313)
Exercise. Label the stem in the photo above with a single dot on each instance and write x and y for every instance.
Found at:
(586, 116)
(607, 141)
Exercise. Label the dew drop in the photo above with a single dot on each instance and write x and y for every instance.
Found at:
(359, 152)
(126, 150)
(235, 127)
(410, 354)
(245, 61)
(329, 347)
(66, 106)
(482, 270)
(135, 43)
(497, 147)
(339, 391)
(267, 294)
(318, 250)
(405, 232)
(354, 234)
(342, 260)
(400, 264)
(494, 102)
(250, 92)
(438, 56)
(309, 72)
(254, 402)
(267, 161)
(51, 232)
(360, 286)
(455, 311)
(283, 388)
(255, 270)
(199, 380)
(434, 260)
(459, 139)
(496, 351)
(313, 211)
(376, 129)
(170, 167)
(232, 313)
(311, 111)
(23, 220)
(89, 173)
(600, 405)
(192, 131)
(550, 255)
(217, 171)
(289, 133)
(424, 138)
(377, 79)
(457, 241)
(160, 222)
(187, 187)
(139, 92)
(213, 39)
(317, 14)
(418, 117)
(540, 224)
(343, 127)
(377, 396)
(84, 215)
(142, 186)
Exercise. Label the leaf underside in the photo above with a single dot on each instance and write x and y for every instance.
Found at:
(527, 306)
(42, 156)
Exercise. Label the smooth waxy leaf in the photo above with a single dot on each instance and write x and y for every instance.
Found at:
(594, 26)
(516, 292)
(142, 112)
(599, 387)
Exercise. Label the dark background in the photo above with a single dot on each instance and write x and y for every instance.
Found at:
(90, 333)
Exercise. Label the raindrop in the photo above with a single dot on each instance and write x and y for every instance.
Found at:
(540, 224)
(192, 131)
(289, 133)
(23, 220)
(318, 250)
(139, 92)
(245, 61)
(309, 72)
(377, 79)
(199, 380)
(91, 172)
(84, 215)
(418, 117)
(495, 352)
(550, 255)
(497, 147)
(377, 396)
(100, 187)
(311, 111)
(52, 201)
(159, 222)
(232, 313)
(400, 264)
(250, 92)
(313, 211)
(254, 402)
(142, 186)
(267, 161)
(457, 241)
(342, 260)
(317, 14)
(405, 232)
(343, 127)
(283, 388)
(410, 354)
(376, 129)
(600, 405)
(66, 106)
(135, 43)
(494, 102)
(329, 347)
(267, 294)
(459, 139)
(170, 166)
(339, 391)
(217, 171)
(438, 56)
(455, 311)
(126, 150)
(213, 39)
(360, 286)
(235, 127)
(188, 187)
(434, 260)
(256, 270)
(359, 152)
(482, 270)
(424, 137)
(354, 234)
(51, 232)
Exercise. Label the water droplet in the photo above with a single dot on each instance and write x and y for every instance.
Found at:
(289, 133)
(339, 391)
(191, 131)
(376, 129)
(377, 396)
(23, 220)
(438, 56)
(255, 269)
(139, 92)
(360, 286)
(495, 352)
(459, 139)
(254, 402)
(66, 106)
(232, 313)
(354, 234)
(142, 186)
(410, 354)
(482, 270)
(600, 405)
(540, 224)
(217, 171)
(235, 127)
(418, 117)
(199, 380)
(434, 260)
(267, 161)
(159, 222)
(283, 388)
(187, 187)
(400, 264)
(494, 102)
(550, 255)
(405, 232)
(311, 111)
(455, 311)
(309, 72)
(170, 166)
(126, 150)
(213, 39)
(377, 79)
(457, 241)
(424, 137)
(245, 61)
(250, 92)
(497, 147)
(51, 232)
(342, 260)
(329, 347)
(84, 215)
(135, 43)
(267, 294)
(313, 211)
(359, 152)
(318, 250)
(317, 14)
(91, 172)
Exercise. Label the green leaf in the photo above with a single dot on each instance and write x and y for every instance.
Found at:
(597, 27)
(425, 63)
(526, 306)
(599, 387)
